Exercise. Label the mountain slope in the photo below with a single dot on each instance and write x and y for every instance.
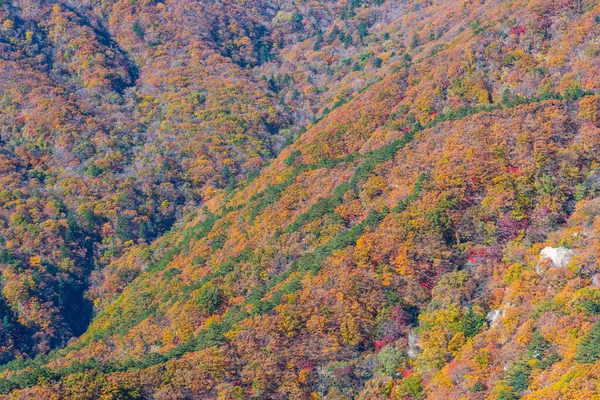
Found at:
(393, 249)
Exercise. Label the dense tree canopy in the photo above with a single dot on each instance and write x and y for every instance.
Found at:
(309, 199)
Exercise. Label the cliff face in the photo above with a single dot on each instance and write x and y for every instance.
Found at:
(308, 200)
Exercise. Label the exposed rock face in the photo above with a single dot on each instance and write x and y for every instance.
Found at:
(560, 256)
(492, 316)
(413, 344)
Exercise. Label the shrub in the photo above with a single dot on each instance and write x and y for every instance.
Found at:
(391, 359)
(411, 386)
(93, 170)
(208, 298)
(169, 274)
(138, 30)
(293, 155)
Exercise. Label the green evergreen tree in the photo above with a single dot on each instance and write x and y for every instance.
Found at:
(588, 350)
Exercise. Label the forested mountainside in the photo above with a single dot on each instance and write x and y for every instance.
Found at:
(301, 199)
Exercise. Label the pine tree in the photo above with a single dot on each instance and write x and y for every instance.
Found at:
(588, 350)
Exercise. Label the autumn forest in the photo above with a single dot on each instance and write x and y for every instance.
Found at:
(299, 199)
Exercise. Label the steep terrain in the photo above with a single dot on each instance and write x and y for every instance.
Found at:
(301, 200)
